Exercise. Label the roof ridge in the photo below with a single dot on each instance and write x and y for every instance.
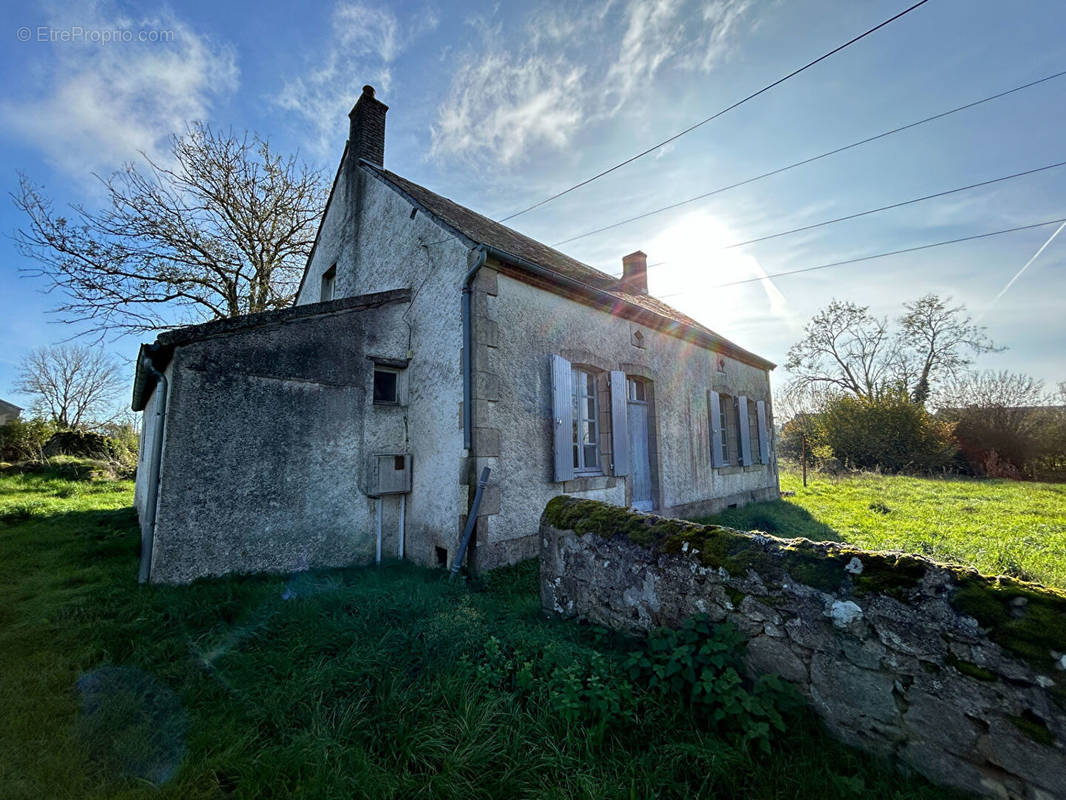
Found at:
(479, 229)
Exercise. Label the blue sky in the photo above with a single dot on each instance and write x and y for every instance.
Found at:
(498, 105)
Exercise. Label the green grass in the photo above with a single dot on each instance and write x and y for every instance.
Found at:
(997, 526)
(339, 684)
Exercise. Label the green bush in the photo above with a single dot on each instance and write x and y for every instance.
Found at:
(77, 442)
(699, 664)
(122, 444)
(24, 440)
(589, 692)
(891, 433)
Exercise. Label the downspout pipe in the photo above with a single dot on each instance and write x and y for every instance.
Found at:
(471, 522)
(148, 530)
(468, 349)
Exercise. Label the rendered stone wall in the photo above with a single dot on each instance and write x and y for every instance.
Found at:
(958, 676)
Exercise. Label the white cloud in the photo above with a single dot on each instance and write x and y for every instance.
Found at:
(573, 67)
(502, 104)
(364, 44)
(101, 102)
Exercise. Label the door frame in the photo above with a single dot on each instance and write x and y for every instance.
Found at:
(632, 379)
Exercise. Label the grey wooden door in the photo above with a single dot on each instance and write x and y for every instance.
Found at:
(639, 451)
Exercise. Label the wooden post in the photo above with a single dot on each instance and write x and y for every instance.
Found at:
(803, 451)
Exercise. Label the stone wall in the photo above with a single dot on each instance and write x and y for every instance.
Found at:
(956, 675)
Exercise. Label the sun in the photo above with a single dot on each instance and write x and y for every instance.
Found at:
(689, 261)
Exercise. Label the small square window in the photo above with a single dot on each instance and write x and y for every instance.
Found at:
(386, 387)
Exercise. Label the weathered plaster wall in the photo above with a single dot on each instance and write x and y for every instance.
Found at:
(369, 233)
(272, 422)
(518, 328)
(958, 676)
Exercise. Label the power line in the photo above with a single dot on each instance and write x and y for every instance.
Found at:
(795, 164)
(878, 255)
(900, 204)
(726, 110)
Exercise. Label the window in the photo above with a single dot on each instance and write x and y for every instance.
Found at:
(588, 420)
(586, 436)
(753, 435)
(386, 386)
(328, 278)
(728, 416)
(637, 390)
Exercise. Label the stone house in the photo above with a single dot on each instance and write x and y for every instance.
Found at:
(8, 412)
(428, 342)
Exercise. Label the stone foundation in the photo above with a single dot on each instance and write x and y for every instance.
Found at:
(958, 676)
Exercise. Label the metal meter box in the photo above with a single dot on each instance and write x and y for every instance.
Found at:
(393, 474)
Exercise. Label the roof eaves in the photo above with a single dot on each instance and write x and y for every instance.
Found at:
(557, 281)
(161, 350)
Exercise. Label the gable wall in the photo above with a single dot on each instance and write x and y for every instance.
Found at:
(369, 233)
(514, 413)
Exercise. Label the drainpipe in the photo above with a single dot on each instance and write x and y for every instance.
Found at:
(148, 534)
(468, 350)
(471, 523)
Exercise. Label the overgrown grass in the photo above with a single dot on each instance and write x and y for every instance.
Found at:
(347, 683)
(997, 526)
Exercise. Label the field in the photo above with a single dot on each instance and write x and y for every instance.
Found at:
(367, 682)
(998, 526)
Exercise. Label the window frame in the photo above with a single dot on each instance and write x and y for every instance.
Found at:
(727, 410)
(396, 386)
(754, 440)
(580, 378)
(329, 280)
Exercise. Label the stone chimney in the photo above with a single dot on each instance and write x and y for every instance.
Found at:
(366, 135)
(635, 273)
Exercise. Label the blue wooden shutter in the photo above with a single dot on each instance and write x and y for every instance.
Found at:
(562, 419)
(714, 410)
(619, 423)
(764, 439)
(745, 430)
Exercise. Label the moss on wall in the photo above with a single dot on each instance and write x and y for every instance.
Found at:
(1025, 619)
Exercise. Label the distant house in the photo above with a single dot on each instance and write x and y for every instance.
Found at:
(427, 343)
(8, 412)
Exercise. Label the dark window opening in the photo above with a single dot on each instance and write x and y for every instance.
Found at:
(329, 277)
(442, 557)
(386, 387)
(399, 463)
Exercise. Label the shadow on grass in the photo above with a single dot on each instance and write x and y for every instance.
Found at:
(776, 517)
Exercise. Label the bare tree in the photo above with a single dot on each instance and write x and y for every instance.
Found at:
(223, 229)
(847, 349)
(1004, 412)
(844, 348)
(70, 383)
(937, 341)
